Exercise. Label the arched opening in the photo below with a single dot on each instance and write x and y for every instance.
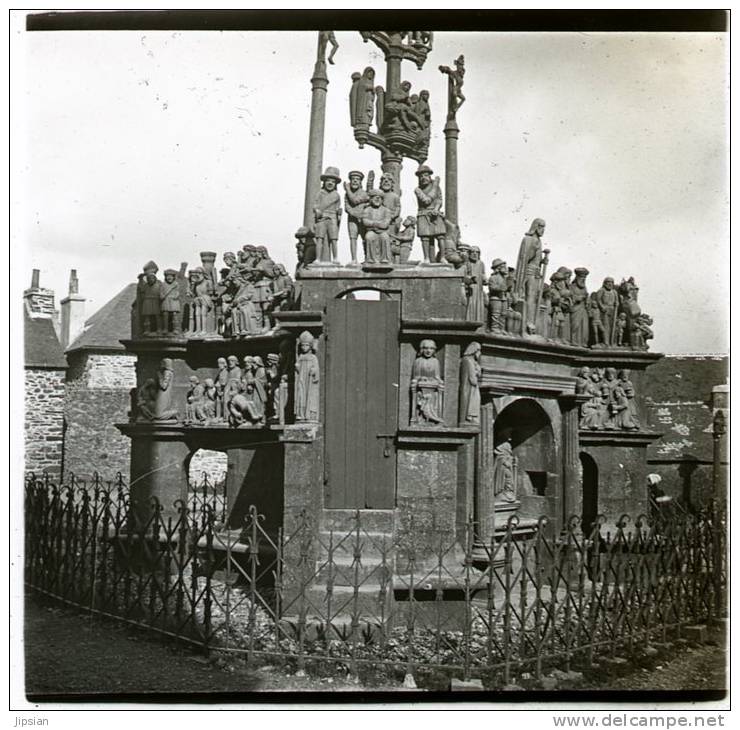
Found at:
(590, 507)
(527, 427)
(206, 464)
(364, 295)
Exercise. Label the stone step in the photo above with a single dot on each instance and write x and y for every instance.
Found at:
(344, 572)
(371, 520)
(368, 602)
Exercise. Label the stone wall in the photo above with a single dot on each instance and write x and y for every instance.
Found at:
(44, 420)
(211, 463)
(97, 396)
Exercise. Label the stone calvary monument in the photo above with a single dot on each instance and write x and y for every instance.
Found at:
(452, 393)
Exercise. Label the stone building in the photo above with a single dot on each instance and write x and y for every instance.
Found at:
(685, 393)
(44, 374)
(97, 391)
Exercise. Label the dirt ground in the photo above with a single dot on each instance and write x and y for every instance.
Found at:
(70, 655)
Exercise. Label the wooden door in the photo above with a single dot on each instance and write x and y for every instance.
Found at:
(361, 403)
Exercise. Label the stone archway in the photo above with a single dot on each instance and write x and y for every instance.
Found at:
(206, 463)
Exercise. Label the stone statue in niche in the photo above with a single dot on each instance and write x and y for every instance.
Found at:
(148, 299)
(470, 375)
(497, 296)
(403, 241)
(169, 296)
(474, 281)
(430, 220)
(579, 325)
(376, 220)
(504, 470)
(427, 387)
(607, 300)
(355, 200)
(391, 199)
(327, 211)
(201, 302)
(306, 380)
(362, 98)
(154, 398)
(456, 76)
(529, 272)
(277, 382)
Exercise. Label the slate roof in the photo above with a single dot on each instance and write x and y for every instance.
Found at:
(41, 345)
(678, 397)
(110, 324)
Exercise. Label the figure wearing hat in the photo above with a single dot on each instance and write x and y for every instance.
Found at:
(579, 325)
(148, 299)
(355, 200)
(169, 296)
(497, 296)
(376, 220)
(431, 223)
(327, 212)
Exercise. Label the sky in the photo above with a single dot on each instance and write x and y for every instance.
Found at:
(132, 146)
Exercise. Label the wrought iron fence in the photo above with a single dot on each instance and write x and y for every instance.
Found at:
(520, 601)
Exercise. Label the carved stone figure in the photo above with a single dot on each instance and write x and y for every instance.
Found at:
(148, 299)
(594, 410)
(169, 296)
(629, 393)
(376, 220)
(155, 396)
(583, 380)
(470, 375)
(474, 281)
(222, 378)
(305, 247)
(555, 299)
(327, 37)
(497, 296)
(391, 199)
(513, 316)
(528, 271)
(282, 289)
(201, 302)
(621, 417)
(327, 215)
(598, 332)
(257, 379)
(233, 381)
(306, 380)
(504, 485)
(403, 241)
(427, 386)
(207, 411)
(430, 220)
(193, 398)
(362, 98)
(641, 331)
(620, 330)
(277, 384)
(245, 313)
(399, 115)
(579, 325)
(355, 200)
(455, 97)
(607, 300)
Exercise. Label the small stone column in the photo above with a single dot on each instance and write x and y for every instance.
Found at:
(452, 132)
(485, 509)
(319, 84)
(572, 487)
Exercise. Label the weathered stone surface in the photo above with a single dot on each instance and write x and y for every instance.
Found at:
(697, 634)
(461, 685)
(44, 417)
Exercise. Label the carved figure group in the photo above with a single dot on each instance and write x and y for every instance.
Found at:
(609, 402)
(427, 387)
(199, 303)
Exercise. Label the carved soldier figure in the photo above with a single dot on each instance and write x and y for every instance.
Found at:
(169, 297)
(470, 375)
(579, 325)
(327, 214)
(427, 386)
(504, 486)
(306, 380)
(148, 298)
(455, 97)
(355, 200)
(391, 199)
(475, 279)
(497, 296)
(528, 273)
(430, 220)
(403, 241)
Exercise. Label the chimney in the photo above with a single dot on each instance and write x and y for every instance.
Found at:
(40, 302)
(73, 312)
